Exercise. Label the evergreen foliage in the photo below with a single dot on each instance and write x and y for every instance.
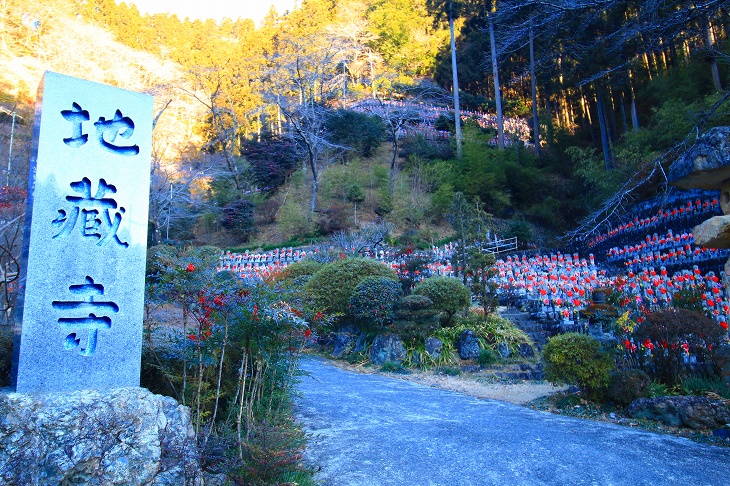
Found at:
(332, 287)
(577, 359)
(448, 295)
(373, 301)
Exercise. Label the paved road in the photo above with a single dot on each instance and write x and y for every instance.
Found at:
(374, 430)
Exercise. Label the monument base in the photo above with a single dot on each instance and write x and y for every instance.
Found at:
(123, 436)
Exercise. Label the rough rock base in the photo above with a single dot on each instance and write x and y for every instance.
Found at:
(125, 436)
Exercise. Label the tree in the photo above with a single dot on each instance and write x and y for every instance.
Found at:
(272, 161)
(495, 77)
(453, 9)
(359, 131)
(368, 238)
(300, 82)
(397, 116)
(403, 34)
(471, 224)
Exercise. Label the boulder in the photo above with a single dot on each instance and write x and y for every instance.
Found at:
(504, 350)
(468, 345)
(713, 233)
(434, 347)
(685, 411)
(706, 165)
(527, 351)
(361, 343)
(387, 347)
(345, 340)
(123, 436)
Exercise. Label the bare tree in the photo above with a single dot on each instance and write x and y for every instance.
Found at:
(368, 238)
(301, 82)
(398, 115)
(224, 115)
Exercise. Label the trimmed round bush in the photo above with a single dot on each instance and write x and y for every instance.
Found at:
(415, 319)
(577, 359)
(300, 270)
(374, 298)
(332, 287)
(447, 294)
(628, 385)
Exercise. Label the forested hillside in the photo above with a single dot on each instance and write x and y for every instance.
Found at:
(342, 111)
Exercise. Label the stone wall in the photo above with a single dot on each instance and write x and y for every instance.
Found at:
(123, 436)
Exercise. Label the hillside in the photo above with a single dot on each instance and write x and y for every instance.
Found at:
(262, 136)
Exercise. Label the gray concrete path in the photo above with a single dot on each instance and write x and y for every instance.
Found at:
(375, 430)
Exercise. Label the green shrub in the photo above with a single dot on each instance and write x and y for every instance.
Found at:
(577, 359)
(373, 300)
(415, 319)
(447, 294)
(701, 385)
(332, 287)
(393, 367)
(628, 385)
(448, 370)
(670, 331)
(299, 270)
(492, 330)
(487, 356)
(159, 257)
(657, 389)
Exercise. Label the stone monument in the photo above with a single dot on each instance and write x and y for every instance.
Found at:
(80, 310)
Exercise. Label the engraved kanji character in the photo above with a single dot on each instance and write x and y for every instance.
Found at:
(119, 125)
(79, 320)
(77, 116)
(91, 208)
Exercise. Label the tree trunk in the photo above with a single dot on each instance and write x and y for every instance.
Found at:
(497, 94)
(604, 133)
(624, 121)
(391, 182)
(315, 186)
(549, 120)
(710, 45)
(454, 74)
(533, 82)
(634, 114)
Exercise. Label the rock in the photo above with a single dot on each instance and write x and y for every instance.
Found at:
(527, 351)
(713, 233)
(468, 345)
(434, 347)
(387, 347)
(504, 350)
(344, 341)
(706, 165)
(686, 411)
(122, 436)
(361, 343)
